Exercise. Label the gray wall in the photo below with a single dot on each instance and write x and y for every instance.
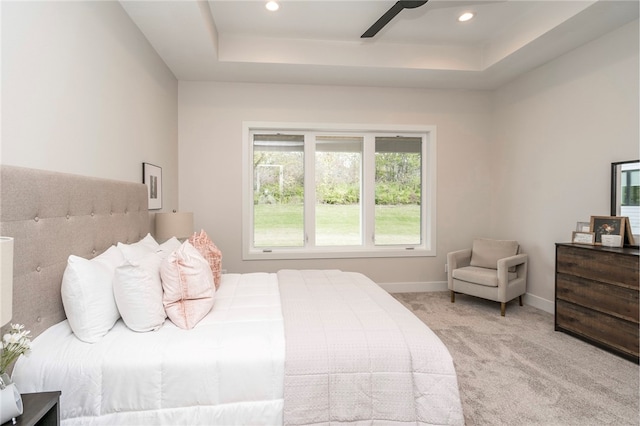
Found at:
(84, 92)
(211, 116)
(526, 161)
(557, 129)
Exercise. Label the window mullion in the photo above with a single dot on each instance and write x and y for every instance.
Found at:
(428, 195)
(368, 190)
(309, 190)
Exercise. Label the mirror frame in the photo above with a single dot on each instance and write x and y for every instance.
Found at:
(614, 191)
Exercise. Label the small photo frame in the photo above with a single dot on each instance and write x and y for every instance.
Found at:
(607, 225)
(583, 227)
(583, 237)
(152, 177)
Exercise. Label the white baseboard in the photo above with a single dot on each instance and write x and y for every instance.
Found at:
(419, 287)
(539, 303)
(416, 287)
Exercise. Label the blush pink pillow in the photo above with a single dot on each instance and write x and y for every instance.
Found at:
(210, 252)
(188, 286)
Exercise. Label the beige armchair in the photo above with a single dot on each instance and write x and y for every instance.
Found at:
(491, 269)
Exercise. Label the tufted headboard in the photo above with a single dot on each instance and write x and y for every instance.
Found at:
(51, 215)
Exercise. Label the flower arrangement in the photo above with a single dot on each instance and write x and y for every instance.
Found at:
(15, 343)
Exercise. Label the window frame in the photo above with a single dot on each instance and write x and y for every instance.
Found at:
(427, 247)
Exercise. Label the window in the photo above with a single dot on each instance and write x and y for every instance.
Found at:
(314, 191)
(630, 185)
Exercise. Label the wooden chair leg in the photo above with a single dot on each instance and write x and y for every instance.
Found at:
(453, 296)
(520, 299)
(503, 307)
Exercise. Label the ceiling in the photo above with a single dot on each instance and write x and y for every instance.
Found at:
(318, 42)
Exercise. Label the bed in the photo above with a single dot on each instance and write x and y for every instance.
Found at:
(293, 347)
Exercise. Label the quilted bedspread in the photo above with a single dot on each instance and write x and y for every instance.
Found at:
(227, 370)
(355, 354)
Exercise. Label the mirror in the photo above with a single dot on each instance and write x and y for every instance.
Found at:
(625, 193)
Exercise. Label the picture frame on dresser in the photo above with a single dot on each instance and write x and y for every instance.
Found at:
(607, 225)
(583, 227)
(583, 237)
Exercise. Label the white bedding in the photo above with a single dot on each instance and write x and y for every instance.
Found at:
(353, 354)
(233, 359)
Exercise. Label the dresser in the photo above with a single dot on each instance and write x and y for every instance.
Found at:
(597, 296)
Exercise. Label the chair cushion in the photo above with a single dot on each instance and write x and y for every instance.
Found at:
(486, 253)
(481, 276)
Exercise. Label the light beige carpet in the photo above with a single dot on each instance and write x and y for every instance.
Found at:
(516, 370)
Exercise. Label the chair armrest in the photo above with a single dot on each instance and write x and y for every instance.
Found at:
(458, 259)
(511, 261)
(519, 261)
(455, 260)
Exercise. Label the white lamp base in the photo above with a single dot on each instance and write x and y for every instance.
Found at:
(10, 403)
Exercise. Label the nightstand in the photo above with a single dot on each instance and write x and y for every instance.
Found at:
(41, 409)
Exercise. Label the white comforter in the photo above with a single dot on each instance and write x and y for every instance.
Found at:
(353, 353)
(227, 370)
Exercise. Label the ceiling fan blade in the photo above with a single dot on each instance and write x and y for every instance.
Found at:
(389, 15)
(384, 20)
(413, 4)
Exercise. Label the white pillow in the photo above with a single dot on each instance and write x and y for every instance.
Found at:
(140, 249)
(168, 247)
(188, 286)
(138, 292)
(87, 294)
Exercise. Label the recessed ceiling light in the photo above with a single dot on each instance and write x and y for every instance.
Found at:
(466, 16)
(272, 6)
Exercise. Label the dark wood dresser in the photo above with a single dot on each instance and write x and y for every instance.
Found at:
(597, 296)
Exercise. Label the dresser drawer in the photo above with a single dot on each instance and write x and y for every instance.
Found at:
(614, 300)
(617, 334)
(598, 265)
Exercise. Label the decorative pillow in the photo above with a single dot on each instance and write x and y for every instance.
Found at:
(168, 247)
(138, 292)
(210, 252)
(188, 286)
(140, 249)
(486, 253)
(87, 294)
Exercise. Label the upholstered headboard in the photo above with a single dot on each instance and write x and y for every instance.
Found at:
(51, 215)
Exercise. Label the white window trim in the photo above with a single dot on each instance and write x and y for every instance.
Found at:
(426, 249)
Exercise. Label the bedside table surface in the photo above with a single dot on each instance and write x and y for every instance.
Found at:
(36, 407)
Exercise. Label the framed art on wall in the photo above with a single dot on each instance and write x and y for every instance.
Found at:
(152, 177)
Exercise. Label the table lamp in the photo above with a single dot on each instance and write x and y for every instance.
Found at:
(10, 399)
(175, 224)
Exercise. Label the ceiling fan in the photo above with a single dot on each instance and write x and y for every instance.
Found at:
(390, 14)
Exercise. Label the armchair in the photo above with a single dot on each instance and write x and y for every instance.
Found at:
(491, 269)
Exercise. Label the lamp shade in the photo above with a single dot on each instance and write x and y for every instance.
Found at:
(176, 224)
(6, 279)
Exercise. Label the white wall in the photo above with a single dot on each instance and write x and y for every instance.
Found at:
(210, 123)
(525, 162)
(83, 92)
(557, 129)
